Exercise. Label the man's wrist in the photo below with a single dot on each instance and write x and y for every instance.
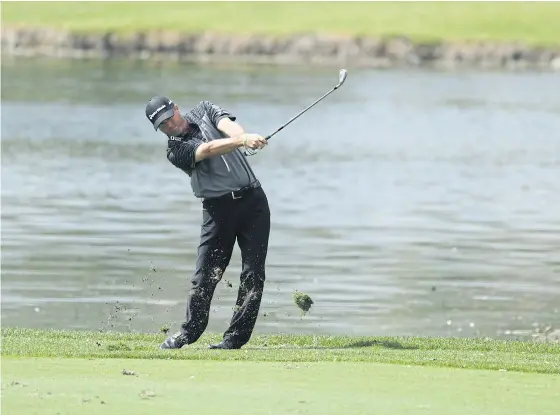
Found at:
(240, 140)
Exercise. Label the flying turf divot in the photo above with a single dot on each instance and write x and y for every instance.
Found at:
(303, 301)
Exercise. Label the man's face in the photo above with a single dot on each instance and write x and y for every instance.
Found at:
(174, 126)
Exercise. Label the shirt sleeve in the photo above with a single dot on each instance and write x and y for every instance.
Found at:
(216, 113)
(182, 153)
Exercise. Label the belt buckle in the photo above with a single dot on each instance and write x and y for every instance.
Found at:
(233, 195)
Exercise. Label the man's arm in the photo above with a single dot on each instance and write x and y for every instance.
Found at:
(229, 127)
(226, 145)
(186, 154)
(225, 122)
(223, 119)
(218, 147)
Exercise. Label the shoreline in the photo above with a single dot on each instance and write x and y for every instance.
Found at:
(310, 49)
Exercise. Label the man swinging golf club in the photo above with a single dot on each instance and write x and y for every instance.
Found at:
(205, 143)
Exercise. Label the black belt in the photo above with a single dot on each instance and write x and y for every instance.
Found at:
(238, 193)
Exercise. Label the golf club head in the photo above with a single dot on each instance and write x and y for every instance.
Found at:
(342, 77)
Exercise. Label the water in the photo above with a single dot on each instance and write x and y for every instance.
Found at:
(406, 203)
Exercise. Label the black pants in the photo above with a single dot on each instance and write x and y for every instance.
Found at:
(224, 220)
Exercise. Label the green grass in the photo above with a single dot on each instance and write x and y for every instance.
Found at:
(531, 22)
(69, 372)
(447, 352)
(80, 386)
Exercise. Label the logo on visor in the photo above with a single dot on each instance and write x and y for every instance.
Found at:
(153, 114)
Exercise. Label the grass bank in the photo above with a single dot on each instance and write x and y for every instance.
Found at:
(443, 352)
(531, 22)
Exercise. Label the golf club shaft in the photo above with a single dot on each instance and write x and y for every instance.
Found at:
(298, 115)
(341, 78)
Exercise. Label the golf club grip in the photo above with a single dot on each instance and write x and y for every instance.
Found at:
(249, 154)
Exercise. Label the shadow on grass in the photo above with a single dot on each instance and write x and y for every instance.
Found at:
(356, 345)
(382, 343)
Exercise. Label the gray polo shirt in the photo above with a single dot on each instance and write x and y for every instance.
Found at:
(213, 176)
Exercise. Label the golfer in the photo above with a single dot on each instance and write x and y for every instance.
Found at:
(205, 143)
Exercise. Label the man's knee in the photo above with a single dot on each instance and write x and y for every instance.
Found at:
(254, 270)
(253, 281)
(207, 277)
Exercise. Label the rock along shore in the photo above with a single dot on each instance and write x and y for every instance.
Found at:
(296, 49)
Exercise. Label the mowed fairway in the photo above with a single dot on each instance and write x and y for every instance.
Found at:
(84, 386)
(75, 372)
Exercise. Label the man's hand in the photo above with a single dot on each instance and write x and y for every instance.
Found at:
(254, 141)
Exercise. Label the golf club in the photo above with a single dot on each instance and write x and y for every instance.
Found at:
(341, 78)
